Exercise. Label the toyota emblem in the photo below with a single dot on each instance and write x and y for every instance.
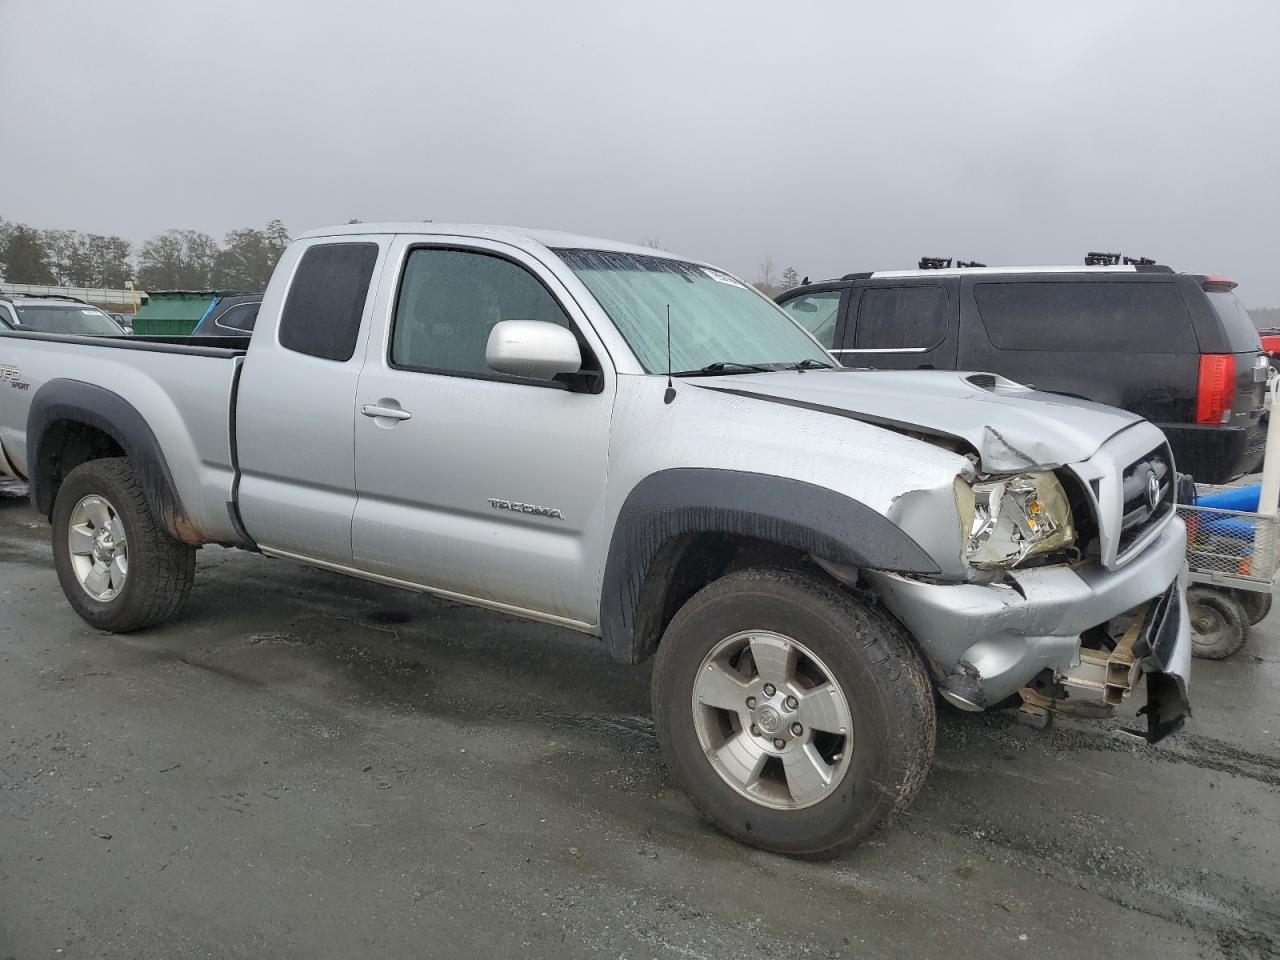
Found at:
(1153, 491)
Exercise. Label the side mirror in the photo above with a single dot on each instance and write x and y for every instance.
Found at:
(532, 348)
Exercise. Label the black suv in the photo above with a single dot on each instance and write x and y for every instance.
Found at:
(1176, 348)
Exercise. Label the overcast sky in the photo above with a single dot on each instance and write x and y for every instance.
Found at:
(832, 137)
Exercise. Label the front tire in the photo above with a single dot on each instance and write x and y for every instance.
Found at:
(119, 568)
(797, 718)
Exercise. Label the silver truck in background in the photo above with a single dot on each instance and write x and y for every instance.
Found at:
(642, 448)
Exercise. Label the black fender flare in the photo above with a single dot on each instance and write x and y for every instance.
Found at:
(670, 504)
(61, 400)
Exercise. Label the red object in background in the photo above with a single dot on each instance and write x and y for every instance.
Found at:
(1271, 342)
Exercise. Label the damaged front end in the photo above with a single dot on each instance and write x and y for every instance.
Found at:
(1062, 586)
(1041, 633)
(1151, 641)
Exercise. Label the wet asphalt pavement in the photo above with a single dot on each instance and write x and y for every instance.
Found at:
(304, 765)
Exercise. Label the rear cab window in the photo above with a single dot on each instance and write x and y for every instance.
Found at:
(322, 312)
(1074, 316)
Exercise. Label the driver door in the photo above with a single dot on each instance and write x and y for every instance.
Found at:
(479, 484)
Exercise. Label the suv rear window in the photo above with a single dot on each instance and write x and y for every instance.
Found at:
(901, 318)
(1242, 335)
(1074, 316)
(322, 313)
(240, 317)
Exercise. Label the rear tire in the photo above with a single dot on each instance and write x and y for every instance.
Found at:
(877, 684)
(119, 568)
(1219, 623)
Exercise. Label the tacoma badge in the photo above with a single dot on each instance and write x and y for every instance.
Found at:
(516, 506)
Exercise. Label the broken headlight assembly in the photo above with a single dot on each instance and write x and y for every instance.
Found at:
(1006, 520)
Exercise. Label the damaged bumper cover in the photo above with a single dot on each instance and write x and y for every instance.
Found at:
(989, 641)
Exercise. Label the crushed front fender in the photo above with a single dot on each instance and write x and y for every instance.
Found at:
(1164, 654)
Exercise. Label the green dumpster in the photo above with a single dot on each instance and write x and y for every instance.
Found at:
(175, 313)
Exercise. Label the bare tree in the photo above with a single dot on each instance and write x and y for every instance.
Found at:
(767, 278)
(25, 256)
(65, 258)
(177, 259)
(653, 243)
(248, 256)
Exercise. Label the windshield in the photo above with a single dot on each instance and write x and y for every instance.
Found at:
(1242, 335)
(65, 318)
(714, 318)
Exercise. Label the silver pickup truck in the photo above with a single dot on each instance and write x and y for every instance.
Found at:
(643, 448)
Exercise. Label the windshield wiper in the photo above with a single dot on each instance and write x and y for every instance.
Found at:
(808, 363)
(724, 366)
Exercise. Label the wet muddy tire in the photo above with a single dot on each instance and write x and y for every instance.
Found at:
(119, 568)
(754, 680)
(1219, 623)
(1256, 605)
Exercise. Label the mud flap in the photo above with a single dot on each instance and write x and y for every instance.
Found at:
(1164, 653)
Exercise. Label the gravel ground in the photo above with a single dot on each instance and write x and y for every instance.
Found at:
(303, 765)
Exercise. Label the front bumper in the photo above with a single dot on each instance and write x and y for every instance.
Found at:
(993, 639)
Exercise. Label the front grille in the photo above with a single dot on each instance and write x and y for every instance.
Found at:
(1138, 514)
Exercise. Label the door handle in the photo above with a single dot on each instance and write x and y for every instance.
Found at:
(377, 410)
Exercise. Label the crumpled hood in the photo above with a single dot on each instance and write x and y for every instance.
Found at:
(1011, 426)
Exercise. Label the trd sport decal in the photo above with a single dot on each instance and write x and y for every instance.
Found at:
(12, 377)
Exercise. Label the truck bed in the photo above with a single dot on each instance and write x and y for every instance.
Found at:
(183, 386)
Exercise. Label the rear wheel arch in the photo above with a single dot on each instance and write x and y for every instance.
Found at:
(680, 529)
(71, 422)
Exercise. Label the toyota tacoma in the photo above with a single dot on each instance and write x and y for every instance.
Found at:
(643, 448)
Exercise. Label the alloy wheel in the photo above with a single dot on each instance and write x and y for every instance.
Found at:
(99, 548)
(772, 719)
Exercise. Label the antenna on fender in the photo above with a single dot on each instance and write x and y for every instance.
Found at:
(671, 388)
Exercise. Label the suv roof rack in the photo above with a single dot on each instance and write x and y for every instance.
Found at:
(1141, 264)
(1095, 263)
(944, 263)
(41, 296)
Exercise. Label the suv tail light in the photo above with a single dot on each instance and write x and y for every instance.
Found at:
(1217, 388)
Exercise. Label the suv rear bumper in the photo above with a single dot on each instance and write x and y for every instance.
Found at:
(1216, 454)
(999, 637)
